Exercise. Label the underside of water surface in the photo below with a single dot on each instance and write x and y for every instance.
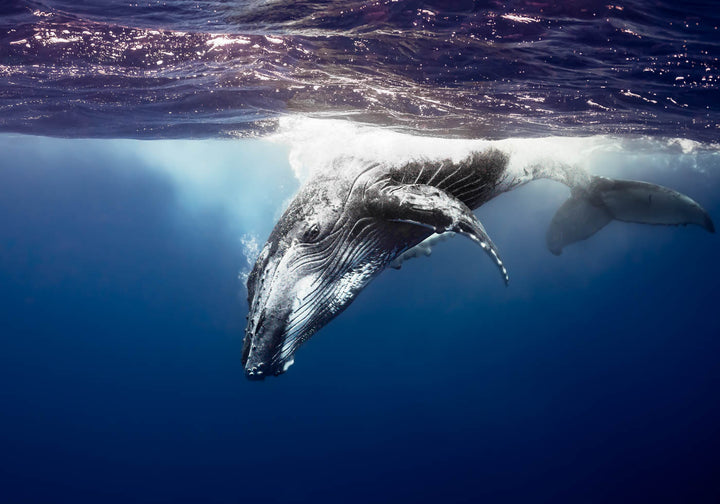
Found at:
(474, 69)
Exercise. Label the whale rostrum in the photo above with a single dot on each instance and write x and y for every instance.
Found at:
(344, 228)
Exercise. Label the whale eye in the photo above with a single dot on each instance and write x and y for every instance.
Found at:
(311, 233)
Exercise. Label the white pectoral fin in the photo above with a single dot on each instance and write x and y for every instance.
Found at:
(589, 209)
(433, 208)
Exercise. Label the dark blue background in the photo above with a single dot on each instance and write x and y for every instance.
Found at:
(593, 378)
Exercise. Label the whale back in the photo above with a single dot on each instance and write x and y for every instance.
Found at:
(473, 180)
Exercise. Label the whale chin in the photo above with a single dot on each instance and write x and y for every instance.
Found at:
(260, 372)
(263, 353)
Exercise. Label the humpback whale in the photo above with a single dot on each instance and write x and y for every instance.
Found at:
(345, 227)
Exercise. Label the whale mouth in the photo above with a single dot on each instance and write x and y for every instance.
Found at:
(260, 372)
(263, 344)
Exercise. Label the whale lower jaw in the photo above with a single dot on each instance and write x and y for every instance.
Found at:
(257, 373)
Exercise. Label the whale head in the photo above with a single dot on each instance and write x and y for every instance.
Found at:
(324, 249)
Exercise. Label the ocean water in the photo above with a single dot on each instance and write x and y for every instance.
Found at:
(147, 150)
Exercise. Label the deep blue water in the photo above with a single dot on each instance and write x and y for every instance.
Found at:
(592, 378)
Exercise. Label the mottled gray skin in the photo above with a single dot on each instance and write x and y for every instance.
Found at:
(343, 229)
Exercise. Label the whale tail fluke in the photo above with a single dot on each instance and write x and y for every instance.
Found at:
(591, 207)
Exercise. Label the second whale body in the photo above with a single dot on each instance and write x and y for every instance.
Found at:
(346, 226)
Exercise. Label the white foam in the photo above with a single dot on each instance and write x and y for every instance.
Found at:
(315, 144)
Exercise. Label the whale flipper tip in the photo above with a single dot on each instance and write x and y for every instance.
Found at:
(709, 226)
